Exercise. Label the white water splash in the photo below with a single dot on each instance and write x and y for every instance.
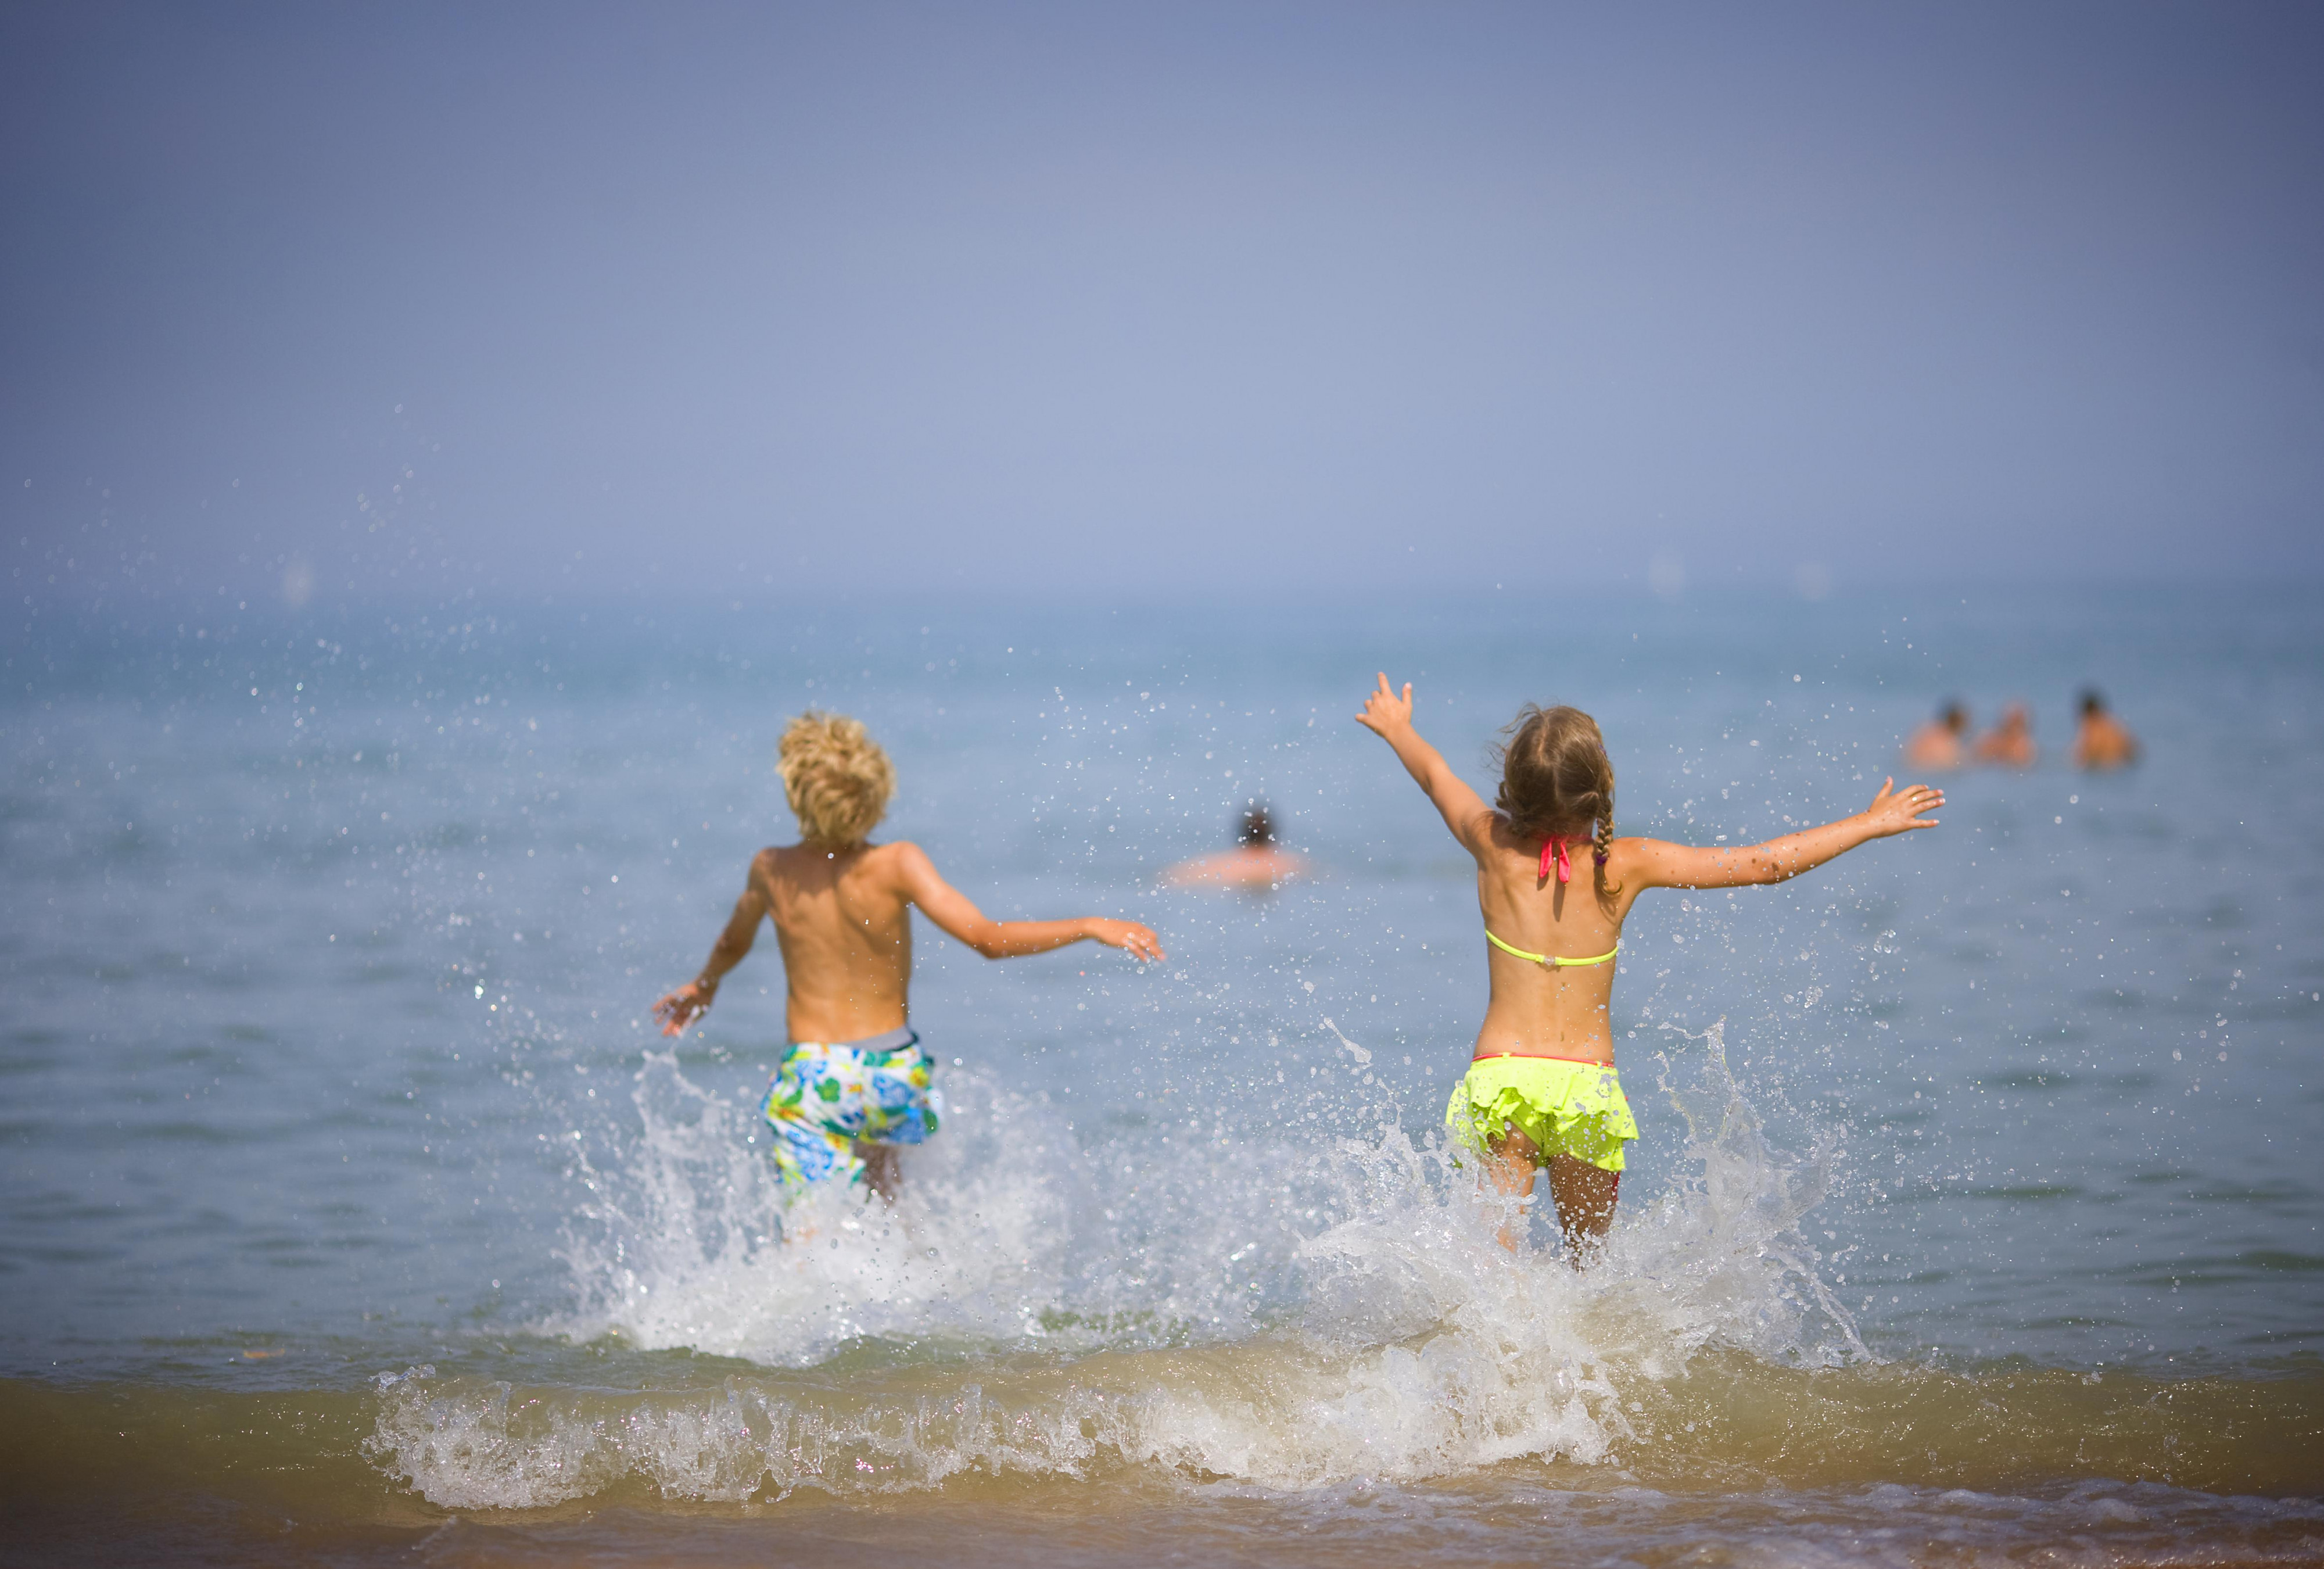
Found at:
(691, 1242)
(1363, 1057)
(1293, 1316)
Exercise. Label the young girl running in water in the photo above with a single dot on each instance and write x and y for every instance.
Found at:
(1542, 1090)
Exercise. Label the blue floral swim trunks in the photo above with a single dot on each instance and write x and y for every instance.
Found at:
(826, 1099)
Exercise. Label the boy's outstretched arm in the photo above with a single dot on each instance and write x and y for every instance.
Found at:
(1658, 864)
(693, 1000)
(1389, 715)
(953, 912)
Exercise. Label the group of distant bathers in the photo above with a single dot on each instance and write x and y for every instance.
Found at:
(1554, 885)
(2101, 741)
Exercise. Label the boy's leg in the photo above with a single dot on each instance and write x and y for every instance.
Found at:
(1585, 1196)
(1509, 1167)
(881, 1174)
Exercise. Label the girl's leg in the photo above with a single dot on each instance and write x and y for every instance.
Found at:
(1509, 1167)
(1585, 1196)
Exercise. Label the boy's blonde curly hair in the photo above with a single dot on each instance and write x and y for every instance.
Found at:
(835, 777)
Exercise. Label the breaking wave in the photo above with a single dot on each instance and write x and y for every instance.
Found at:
(1291, 1314)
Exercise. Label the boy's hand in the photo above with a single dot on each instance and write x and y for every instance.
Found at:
(1140, 942)
(1385, 711)
(1894, 813)
(683, 1007)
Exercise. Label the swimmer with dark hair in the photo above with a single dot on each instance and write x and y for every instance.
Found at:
(1937, 746)
(2103, 742)
(1258, 862)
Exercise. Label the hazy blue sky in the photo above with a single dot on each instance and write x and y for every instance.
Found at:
(1129, 301)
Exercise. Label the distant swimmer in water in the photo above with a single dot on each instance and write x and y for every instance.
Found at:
(1541, 1089)
(2103, 741)
(1257, 862)
(854, 1081)
(2010, 743)
(1937, 746)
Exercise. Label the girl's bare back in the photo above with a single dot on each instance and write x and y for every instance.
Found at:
(1556, 1011)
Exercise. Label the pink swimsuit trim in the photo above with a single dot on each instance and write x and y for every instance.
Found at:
(1541, 1056)
(1553, 853)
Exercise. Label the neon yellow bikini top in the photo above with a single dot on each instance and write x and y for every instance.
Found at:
(1550, 962)
(1553, 853)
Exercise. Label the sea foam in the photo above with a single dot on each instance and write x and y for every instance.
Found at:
(1289, 1315)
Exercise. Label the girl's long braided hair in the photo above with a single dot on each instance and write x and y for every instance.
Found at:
(1556, 779)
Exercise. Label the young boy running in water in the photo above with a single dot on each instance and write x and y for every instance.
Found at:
(853, 1083)
(1542, 1090)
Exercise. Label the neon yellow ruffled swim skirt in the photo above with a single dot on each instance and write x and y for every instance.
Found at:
(1564, 1107)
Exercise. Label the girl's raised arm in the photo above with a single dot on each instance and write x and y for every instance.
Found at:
(1658, 864)
(1389, 715)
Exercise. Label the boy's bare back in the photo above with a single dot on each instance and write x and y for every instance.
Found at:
(844, 921)
(843, 918)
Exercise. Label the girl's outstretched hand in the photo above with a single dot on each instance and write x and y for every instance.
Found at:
(1385, 711)
(1893, 810)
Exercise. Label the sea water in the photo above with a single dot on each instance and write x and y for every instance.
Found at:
(352, 1204)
